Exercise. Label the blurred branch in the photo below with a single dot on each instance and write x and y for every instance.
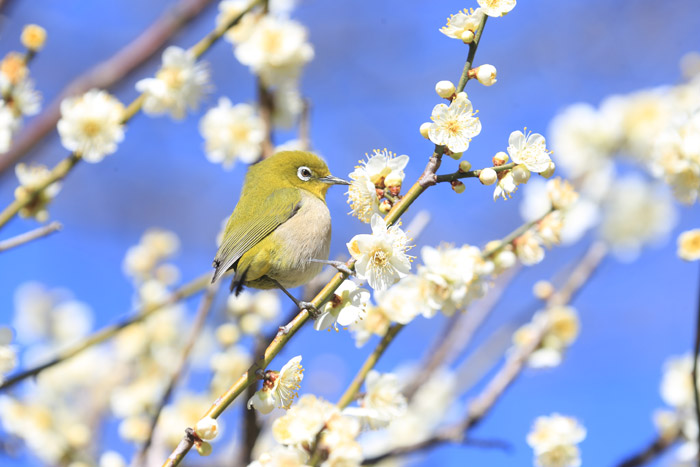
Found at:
(106, 74)
(650, 452)
(696, 353)
(103, 334)
(305, 125)
(30, 236)
(205, 307)
(458, 333)
(64, 167)
(515, 362)
(266, 104)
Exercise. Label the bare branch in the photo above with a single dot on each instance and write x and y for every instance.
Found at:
(30, 236)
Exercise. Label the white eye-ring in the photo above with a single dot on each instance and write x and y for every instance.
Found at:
(304, 173)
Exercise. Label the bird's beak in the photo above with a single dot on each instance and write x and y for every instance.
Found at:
(331, 180)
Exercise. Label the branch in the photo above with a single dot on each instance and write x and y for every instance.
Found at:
(696, 353)
(30, 236)
(472, 52)
(266, 104)
(103, 334)
(472, 173)
(106, 74)
(511, 369)
(653, 450)
(64, 167)
(205, 307)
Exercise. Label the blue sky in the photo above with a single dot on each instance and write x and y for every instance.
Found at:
(371, 86)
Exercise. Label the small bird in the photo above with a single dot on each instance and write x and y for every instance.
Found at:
(280, 231)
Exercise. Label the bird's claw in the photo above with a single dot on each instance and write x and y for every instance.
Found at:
(311, 308)
(285, 329)
(340, 266)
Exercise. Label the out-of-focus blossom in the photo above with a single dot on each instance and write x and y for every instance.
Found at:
(528, 248)
(232, 132)
(228, 11)
(382, 402)
(303, 421)
(554, 440)
(276, 50)
(448, 272)
(282, 456)
(455, 125)
(91, 124)
(179, 85)
(689, 245)
(380, 257)
(31, 178)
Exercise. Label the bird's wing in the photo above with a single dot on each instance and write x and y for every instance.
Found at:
(262, 220)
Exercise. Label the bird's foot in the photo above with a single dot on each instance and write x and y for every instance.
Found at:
(339, 265)
(311, 308)
(283, 330)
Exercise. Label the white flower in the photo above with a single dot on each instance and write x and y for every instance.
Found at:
(9, 124)
(279, 389)
(380, 257)
(461, 23)
(91, 124)
(528, 249)
(30, 179)
(24, 99)
(496, 8)
(8, 360)
(282, 456)
(232, 132)
(402, 302)
(554, 441)
(689, 245)
(677, 382)
(506, 187)
(228, 11)
(454, 126)
(179, 85)
(383, 401)
(529, 150)
(448, 271)
(276, 50)
(561, 193)
(382, 170)
(303, 421)
(345, 308)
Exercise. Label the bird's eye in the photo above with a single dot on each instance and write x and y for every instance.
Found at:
(304, 173)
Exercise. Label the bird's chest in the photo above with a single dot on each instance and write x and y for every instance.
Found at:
(306, 236)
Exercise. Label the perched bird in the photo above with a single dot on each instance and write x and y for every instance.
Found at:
(280, 231)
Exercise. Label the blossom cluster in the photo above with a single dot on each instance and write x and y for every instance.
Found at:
(656, 129)
(555, 440)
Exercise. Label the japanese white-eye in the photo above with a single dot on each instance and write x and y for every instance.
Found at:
(280, 231)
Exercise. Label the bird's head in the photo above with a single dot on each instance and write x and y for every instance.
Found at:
(301, 169)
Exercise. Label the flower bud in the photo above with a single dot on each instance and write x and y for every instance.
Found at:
(521, 174)
(445, 89)
(543, 289)
(203, 449)
(467, 36)
(549, 171)
(454, 155)
(207, 428)
(488, 176)
(504, 259)
(33, 37)
(465, 166)
(486, 74)
(424, 129)
(458, 186)
(500, 158)
(384, 206)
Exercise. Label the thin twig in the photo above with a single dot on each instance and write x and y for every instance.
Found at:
(266, 104)
(30, 236)
(472, 53)
(185, 291)
(446, 178)
(197, 326)
(305, 125)
(696, 354)
(106, 74)
(511, 369)
(651, 451)
(458, 333)
(63, 168)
